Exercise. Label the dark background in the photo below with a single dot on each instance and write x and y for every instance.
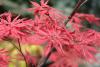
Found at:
(19, 6)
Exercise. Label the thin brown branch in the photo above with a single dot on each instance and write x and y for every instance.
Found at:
(44, 60)
(22, 52)
(78, 5)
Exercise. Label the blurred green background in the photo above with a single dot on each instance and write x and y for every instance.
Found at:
(18, 7)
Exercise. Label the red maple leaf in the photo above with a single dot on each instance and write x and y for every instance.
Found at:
(11, 27)
(4, 58)
(44, 9)
(79, 17)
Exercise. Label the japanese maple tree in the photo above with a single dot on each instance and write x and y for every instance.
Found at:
(63, 47)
